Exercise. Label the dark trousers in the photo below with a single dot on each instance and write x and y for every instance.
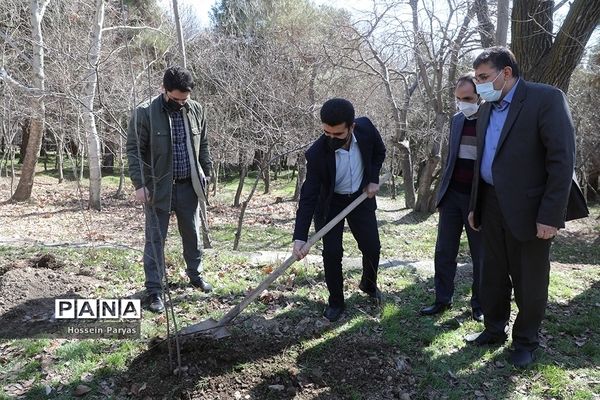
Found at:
(454, 209)
(363, 225)
(512, 264)
(184, 202)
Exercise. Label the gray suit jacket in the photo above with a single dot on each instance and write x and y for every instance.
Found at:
(534, 161)
(456, 127)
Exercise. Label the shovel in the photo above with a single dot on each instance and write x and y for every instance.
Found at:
(217, 329)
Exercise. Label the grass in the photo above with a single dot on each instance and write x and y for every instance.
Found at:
(442, 366)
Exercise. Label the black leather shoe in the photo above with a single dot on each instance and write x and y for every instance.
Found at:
(374, 294)
(201, 284)
(156, 304)
(485, 338)
(436, 308)
(521, 358)
(477, 315)
(333, 313)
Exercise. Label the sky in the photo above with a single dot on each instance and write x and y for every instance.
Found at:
(202, 10)
(202, 7)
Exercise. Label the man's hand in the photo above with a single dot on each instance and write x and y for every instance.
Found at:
(471, 219)
(142, 195)
(372, 189)
(300, 249)
(545, 231)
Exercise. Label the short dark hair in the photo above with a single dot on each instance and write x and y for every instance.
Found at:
(499, 57)
(336, 111)
(178, 78)
(467, 78)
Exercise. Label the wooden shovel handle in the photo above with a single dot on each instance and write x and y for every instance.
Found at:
(234, 312)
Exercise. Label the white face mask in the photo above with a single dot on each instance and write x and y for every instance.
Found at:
(487, 91)
(468, 109)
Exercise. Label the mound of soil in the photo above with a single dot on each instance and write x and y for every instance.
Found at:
(27, 293)
(282, 367)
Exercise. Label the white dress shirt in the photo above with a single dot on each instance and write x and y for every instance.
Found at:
(348, 169)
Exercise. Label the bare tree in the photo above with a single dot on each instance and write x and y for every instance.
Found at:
(437, 67)
(376, 51)
(89, 91)
(36, 127)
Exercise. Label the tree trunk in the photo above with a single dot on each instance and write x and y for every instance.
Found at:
(238, 232)
(180, 40)
(485, 28)
(89, 120)
(301, 164)
(431, 84)
(503, 21)
(541, 59)
(266, 171)
(60, 157)
(425, 180)
(531, 37)
(215, 178)
(243, 172)
(36, 130)
(119, 193)
(24, 140)
(392, 161)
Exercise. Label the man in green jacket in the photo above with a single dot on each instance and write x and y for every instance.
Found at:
(169, 165)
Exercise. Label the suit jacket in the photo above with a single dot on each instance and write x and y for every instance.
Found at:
(456, 126)
(317, 190)
(534, 161)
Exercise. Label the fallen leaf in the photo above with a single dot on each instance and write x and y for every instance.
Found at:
(268, 269)
(81, 390)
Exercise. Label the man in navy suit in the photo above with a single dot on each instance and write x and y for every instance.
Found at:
(341, 164)
(453, 203)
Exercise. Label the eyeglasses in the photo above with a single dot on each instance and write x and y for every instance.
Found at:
(483, 77)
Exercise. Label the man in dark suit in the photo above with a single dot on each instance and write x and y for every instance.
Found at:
(340, 165)
(523, 175)
(453, 203)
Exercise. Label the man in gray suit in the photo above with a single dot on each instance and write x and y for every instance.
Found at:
(523, 175)
(453, 203)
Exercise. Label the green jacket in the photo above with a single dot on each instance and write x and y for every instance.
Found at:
(149, 149)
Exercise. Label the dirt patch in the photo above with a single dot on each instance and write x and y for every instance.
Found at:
(27, 294)
(251, 366)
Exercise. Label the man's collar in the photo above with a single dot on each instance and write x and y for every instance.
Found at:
(509, 96)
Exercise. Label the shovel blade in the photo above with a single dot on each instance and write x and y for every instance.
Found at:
(208, 327)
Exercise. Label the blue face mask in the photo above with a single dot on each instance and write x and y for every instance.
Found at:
(487, 91)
